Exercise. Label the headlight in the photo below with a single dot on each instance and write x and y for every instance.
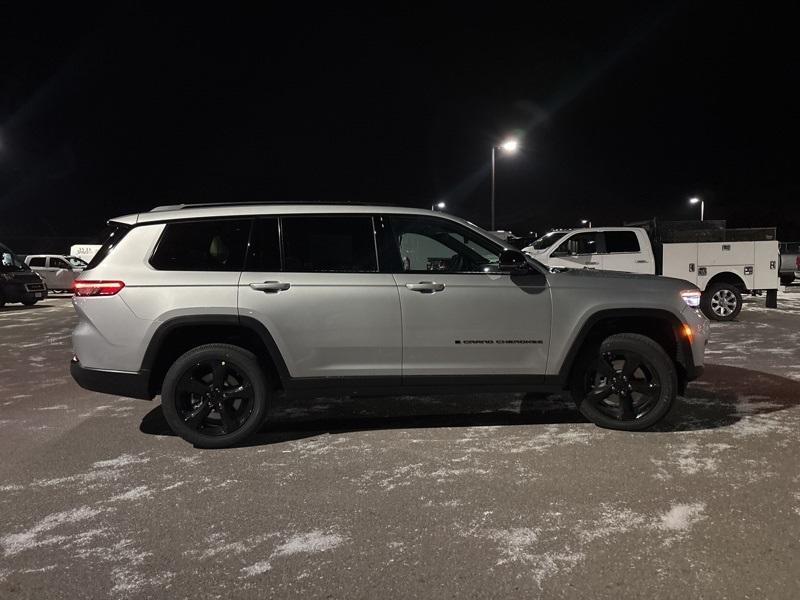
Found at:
(691, 297)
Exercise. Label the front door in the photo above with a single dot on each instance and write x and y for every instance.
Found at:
(578, 251)
(460, 315)
(321, 297)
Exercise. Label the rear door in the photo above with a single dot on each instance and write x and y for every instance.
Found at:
(461, 316)
(38, 264)
(623, 252)
(313, 281)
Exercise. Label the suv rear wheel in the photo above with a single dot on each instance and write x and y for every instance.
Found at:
(215, 395)
(627, 383)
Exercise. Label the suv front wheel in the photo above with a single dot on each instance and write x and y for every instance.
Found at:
(629, 383)
(215, 395)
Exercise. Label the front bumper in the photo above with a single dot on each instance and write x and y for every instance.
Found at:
(119, 383)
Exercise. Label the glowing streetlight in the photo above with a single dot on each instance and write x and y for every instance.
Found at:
(586, 222)
(509, 146)
(439, 205)
(695, 200)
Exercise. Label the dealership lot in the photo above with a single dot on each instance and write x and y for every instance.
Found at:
(416, 497)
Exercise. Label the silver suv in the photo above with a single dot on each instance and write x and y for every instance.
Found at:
(217, 308)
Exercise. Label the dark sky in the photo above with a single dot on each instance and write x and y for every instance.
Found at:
(625, 112)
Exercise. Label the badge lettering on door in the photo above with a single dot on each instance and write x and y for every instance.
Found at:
(498, 342)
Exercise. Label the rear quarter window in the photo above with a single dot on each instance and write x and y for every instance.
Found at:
(111, 237)
(208, 245)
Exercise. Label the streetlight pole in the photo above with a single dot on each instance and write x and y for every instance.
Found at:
(702, 202)
(509, 146)
(493, 151)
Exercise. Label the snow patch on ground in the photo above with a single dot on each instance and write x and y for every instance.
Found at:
(31, 538)
(136, 493)
(681, 517)
(313, 542)
(121, 461)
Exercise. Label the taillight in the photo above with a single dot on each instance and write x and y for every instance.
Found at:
(83, 287)
(797, 263)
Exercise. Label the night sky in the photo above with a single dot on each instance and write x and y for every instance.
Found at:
(625, 112)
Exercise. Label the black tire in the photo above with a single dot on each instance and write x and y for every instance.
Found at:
(628, 382)
(787, 279)
(721, 302)
(215, 396)
(2, 300)
(29, 302)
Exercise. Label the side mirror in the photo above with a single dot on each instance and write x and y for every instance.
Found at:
(513, 261)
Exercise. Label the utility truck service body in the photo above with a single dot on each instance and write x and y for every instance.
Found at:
(722, 262)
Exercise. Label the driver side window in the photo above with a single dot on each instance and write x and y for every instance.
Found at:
(580, 243)
(435, 245)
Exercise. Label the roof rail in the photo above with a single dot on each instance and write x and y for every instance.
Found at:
(256, 203)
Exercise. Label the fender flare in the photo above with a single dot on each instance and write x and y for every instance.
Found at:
(254, 325)
(684, 349)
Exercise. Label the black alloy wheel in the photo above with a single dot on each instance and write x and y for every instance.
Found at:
(627, 383)
(215, 395)
(623, 385)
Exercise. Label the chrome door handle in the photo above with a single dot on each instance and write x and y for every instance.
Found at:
(641, 261)
(425, 287)
(592, 262)
(271, 287)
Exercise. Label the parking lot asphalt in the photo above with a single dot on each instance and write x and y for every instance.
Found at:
(477, 496)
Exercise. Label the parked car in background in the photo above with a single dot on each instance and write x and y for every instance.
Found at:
(723, 263)
(790, 262)
(17, 282)
(57, 270)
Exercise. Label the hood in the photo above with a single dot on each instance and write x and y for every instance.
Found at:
(596, 278)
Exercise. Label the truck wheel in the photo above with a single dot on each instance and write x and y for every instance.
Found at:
(29, 302)
(627, 383)
(215, 396)
(787, 279)
(721, 302)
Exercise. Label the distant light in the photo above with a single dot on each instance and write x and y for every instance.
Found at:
(694, 200)
(440, 205)
(511, 145)
(584, 221)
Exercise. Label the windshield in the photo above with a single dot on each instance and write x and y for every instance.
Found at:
(9, 261)
(547, 240)
(77, 262)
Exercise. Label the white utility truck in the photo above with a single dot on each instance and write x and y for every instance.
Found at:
(723, 263)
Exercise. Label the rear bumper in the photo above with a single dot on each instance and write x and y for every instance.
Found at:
(19, 292)
(119, 383)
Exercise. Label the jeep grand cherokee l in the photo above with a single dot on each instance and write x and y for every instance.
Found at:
(217, 308)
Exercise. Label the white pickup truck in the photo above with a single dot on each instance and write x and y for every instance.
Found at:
(733, 261)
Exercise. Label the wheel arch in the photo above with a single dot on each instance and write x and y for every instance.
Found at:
(729, 277)
(660, 325)
(180, 334)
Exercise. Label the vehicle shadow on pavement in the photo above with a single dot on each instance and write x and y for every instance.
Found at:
(721, 398)
(725, 395)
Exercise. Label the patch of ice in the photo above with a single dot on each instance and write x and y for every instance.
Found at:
(258, 568)
(56, 407)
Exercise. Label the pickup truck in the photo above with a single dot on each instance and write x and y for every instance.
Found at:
(790, 262)
(723, 263)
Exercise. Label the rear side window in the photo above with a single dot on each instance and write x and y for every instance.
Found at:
(37, 262)
(264, 253)
(111, 237)
(621, 241)
(202, 246)
(59, 263)
(324, 244)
